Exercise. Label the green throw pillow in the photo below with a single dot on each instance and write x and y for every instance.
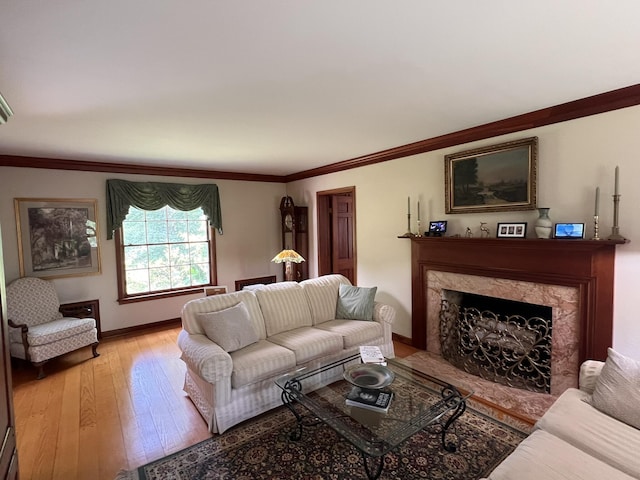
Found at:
(355, 303)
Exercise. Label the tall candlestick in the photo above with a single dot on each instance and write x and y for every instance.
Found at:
(616, 190)
(597, 201)
(418, 211)
(408, 205)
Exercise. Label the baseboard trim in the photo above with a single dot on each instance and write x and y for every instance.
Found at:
(400, 339)
(172, 322)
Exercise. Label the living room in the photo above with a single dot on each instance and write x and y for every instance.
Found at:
(574, 157)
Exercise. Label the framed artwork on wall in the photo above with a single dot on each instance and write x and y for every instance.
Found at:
(512, 230)
(492, 179)
(57, 237)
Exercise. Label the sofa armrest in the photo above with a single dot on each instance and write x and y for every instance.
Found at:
(205, 357)
(589, 373)
(383, 313)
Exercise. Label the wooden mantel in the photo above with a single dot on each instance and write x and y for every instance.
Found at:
(587, 265)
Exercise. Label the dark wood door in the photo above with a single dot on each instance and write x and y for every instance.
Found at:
(343, 258)
(8, 455)
(336, 233)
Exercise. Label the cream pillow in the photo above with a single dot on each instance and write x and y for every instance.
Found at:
(230, 328)
(617, 391)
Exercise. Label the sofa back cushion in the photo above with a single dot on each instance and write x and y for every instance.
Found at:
(284, 307)
(215, 303)
(322, 294)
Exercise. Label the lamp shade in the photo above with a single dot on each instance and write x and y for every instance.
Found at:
(288, 256)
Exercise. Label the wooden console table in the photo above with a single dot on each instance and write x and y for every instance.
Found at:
(88, 308)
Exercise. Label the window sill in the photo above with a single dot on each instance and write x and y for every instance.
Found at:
(145, 297)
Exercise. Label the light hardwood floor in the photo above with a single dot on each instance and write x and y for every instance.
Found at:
(91, 417)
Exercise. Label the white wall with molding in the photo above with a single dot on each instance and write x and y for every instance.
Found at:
(251, 237)
(574, 157)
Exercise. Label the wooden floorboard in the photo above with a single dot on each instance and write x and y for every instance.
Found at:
(91, 417)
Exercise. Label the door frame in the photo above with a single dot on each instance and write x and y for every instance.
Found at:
(323, 212)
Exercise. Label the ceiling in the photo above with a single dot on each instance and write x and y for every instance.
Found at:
(281, 86)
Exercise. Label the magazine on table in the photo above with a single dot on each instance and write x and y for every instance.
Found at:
(378, 400)
(371, 354)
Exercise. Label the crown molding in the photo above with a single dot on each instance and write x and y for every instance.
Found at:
(601, 103)
(87, 166)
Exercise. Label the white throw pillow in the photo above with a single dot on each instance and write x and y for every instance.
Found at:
(617, 391)
(230, 328)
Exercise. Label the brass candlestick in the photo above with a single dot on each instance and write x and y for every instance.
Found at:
(595, 228)
(615, 230)
(408, 234)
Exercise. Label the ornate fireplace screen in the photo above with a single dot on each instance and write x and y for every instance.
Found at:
(510, 350)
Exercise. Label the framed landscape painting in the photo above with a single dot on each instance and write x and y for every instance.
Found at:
(57, 237)
(492, 179)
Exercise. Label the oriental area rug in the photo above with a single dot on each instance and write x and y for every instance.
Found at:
(260, 449)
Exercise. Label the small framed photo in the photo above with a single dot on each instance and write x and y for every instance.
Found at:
(512, 230)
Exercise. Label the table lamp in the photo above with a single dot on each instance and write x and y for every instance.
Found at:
(287, 256)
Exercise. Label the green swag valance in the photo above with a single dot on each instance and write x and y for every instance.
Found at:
(122, 194)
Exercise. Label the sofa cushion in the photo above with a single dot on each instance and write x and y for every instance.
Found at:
(230, 328)
(544, 456)
(260, 361)
(355, 303)
(284, 307)
(617, 390)
(214, 303)
(355, 333)
(322, 294)
(575, 421)
(309, 343)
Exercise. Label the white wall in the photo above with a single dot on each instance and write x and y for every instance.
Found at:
(250, 219)
(574, 158)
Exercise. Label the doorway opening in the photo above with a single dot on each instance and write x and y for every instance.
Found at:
(336, 232)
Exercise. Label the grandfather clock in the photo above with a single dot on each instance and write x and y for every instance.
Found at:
(295, 234)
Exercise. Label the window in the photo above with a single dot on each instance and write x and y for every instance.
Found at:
(164, 252)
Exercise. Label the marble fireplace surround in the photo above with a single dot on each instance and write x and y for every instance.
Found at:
(564, 315)
(575, 278)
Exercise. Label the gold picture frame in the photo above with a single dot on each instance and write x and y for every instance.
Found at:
(57, 237)
(496, 178)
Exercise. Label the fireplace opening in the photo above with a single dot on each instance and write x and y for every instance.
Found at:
(505, 341)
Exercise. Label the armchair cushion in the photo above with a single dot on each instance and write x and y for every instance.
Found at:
(230, 328)
(58, 330)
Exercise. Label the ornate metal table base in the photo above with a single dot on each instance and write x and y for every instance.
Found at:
(452, 401)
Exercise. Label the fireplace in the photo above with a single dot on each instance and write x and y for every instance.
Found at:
(574, 279)
(504, 341)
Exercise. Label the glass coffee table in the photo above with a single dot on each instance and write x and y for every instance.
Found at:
(318, 396)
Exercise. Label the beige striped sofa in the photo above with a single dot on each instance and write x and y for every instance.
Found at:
(296, 327)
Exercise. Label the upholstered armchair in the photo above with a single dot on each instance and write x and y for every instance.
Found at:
(39, 330)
